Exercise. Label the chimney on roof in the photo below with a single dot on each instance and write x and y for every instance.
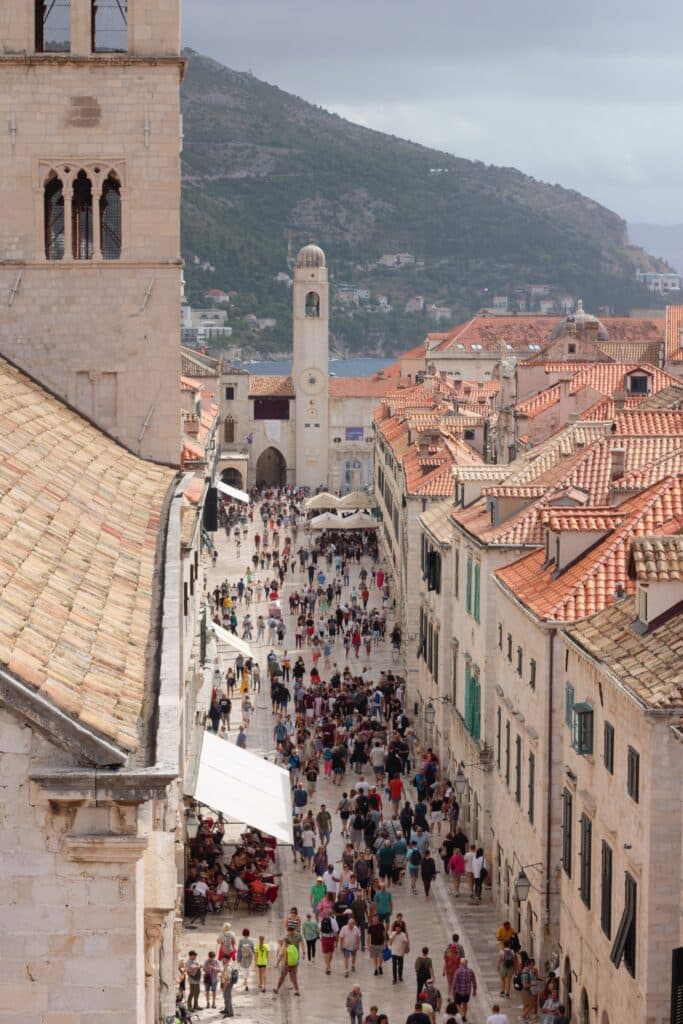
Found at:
(617, 463)
(619, 591)
(619, 401)
(428, 383)
(563, 382)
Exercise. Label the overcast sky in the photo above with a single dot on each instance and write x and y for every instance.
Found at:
(585, 94)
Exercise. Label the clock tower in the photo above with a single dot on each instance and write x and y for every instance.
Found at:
(310, 367)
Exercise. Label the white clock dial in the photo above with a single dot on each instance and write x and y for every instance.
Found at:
(311, 381)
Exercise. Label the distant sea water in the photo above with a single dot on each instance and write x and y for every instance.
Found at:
(361, 367)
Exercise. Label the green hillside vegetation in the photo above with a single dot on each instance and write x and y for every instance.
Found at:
(265, 172)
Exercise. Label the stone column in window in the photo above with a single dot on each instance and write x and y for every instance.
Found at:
(68, 226)
(96, 226)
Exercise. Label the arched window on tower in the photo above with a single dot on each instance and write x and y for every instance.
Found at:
(81, 218)
(110, 219)
(312, 306)
(53, 199)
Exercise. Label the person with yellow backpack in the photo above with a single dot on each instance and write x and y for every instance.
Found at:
(262, 952)
(288, 958)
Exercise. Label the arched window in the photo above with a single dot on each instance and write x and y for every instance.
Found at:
(110, 219)
(312, 307)
(81, 218)
(53, 200)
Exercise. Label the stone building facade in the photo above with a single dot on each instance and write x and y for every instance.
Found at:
(90, 185)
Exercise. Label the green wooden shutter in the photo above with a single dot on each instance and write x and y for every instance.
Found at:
(468, 593)
(477, 585)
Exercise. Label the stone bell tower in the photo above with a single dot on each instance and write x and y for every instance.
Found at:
(310, 366)
(90, 268)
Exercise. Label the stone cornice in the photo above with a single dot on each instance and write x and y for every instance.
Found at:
(105, 849)
(133, 787)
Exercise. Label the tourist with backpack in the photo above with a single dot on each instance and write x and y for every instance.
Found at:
(288, 958)
(328, 938)
(507, 966)
(414, 864)
(229, 978)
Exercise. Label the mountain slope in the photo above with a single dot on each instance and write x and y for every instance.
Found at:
(262, 168)
(667, 240)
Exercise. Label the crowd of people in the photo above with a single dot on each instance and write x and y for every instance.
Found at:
(341, 726)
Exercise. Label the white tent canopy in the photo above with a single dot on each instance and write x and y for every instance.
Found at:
(224, 636)
(322, 500)
(356, 499)
(233, 492)
(244, 787)
(360, 521)
(326, 521)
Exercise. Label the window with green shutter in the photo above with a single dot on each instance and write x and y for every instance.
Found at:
(606, 890)
(568, 704)
(585, 854)
(507, 753)
(476, 713)
(477, 591)
(567, 824)
(532, 786)
(499, 736)
(468, 586)
(582, 728)
(518, 769)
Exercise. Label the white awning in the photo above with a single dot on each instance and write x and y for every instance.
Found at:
(224, 636)
(356, 499)
(244, 787)
(233, 492)
(322, 500)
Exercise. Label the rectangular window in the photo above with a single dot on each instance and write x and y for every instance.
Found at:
(608, 747)
(468, 587)
(518, 769)
(582, 729)
(507, 753)
(633, 774)
(509, 646)
(472, 704)
(109, 26)
(677, 986)
(532, 786)
(53, 26)
(532, 674)
(456, 579)
(271, 408)
(520, 660)
(477, 592)
(625, 943)
(230, 394)
(430, 645)
(499, 736)
(606, 890)
(500, 636)
(567, 812)
(585, 854)
(435, 670)
(454, 680)
(433, 571)
(568, 705)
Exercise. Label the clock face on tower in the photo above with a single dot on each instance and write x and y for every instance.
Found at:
(311, 381)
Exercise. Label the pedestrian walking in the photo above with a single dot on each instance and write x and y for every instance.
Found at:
(354, 1005)
(328, 938)
(377, 938)
(245, 956)
(496, 1017)
(261, 953)
(288, 959)
(424, 969)
(311, 933)
(212, 971)
(349, 941)
(193, 969)
(507, 966)
(464, 987)
(399, 944)
(229, 977)
(427, 871)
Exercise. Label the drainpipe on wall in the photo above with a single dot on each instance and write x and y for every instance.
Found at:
(549, 802)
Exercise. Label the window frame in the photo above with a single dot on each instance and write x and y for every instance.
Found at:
(531, 785)
(606, 882)
(499, 736)
(633, 773)
(518, 769)
(507, 752)
(532, 673)
(585, 859)
(477, 592)
(583, 724)
(468, 586)
(608, 746)
(567, 830)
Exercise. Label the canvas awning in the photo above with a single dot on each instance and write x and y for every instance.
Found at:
(224, 636)
(326, 521)
(356, 499)
(244, 787)
(233, 492)
(322, 500)
(360, 521)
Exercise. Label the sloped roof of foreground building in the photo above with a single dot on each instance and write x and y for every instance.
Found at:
(82, 522)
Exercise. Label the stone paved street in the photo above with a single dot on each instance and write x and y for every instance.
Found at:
(430, 923)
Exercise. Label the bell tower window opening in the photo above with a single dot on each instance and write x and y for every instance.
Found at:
(109, 22)
(312, 305)
(54, 218)
(53, 26)
(110, 219)
(81, 218)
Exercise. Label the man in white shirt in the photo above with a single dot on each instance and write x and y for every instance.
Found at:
(331, 880)
(362, 786)
(349, 941)
(496, 1017)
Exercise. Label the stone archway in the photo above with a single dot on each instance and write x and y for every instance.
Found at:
(232, 477)
(271, 468)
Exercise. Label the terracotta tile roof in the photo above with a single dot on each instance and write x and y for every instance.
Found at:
(496, 333)
(439, 484)
(80, 523)
(275, 386)
(588, 585)
(578, 520)
(649, 421)
(375, 386)
(605, 409)
(194, 490)
(568, 366)
(196, 364)
(607, 378)
(437, 520)
(649, 665)
(513, 491)
(658, 559)
(668, 398)
(189, 384)
(632, 351)
(644, 476)
(674, 333)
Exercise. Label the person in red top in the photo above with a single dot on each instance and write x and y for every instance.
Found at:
(396, 792)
